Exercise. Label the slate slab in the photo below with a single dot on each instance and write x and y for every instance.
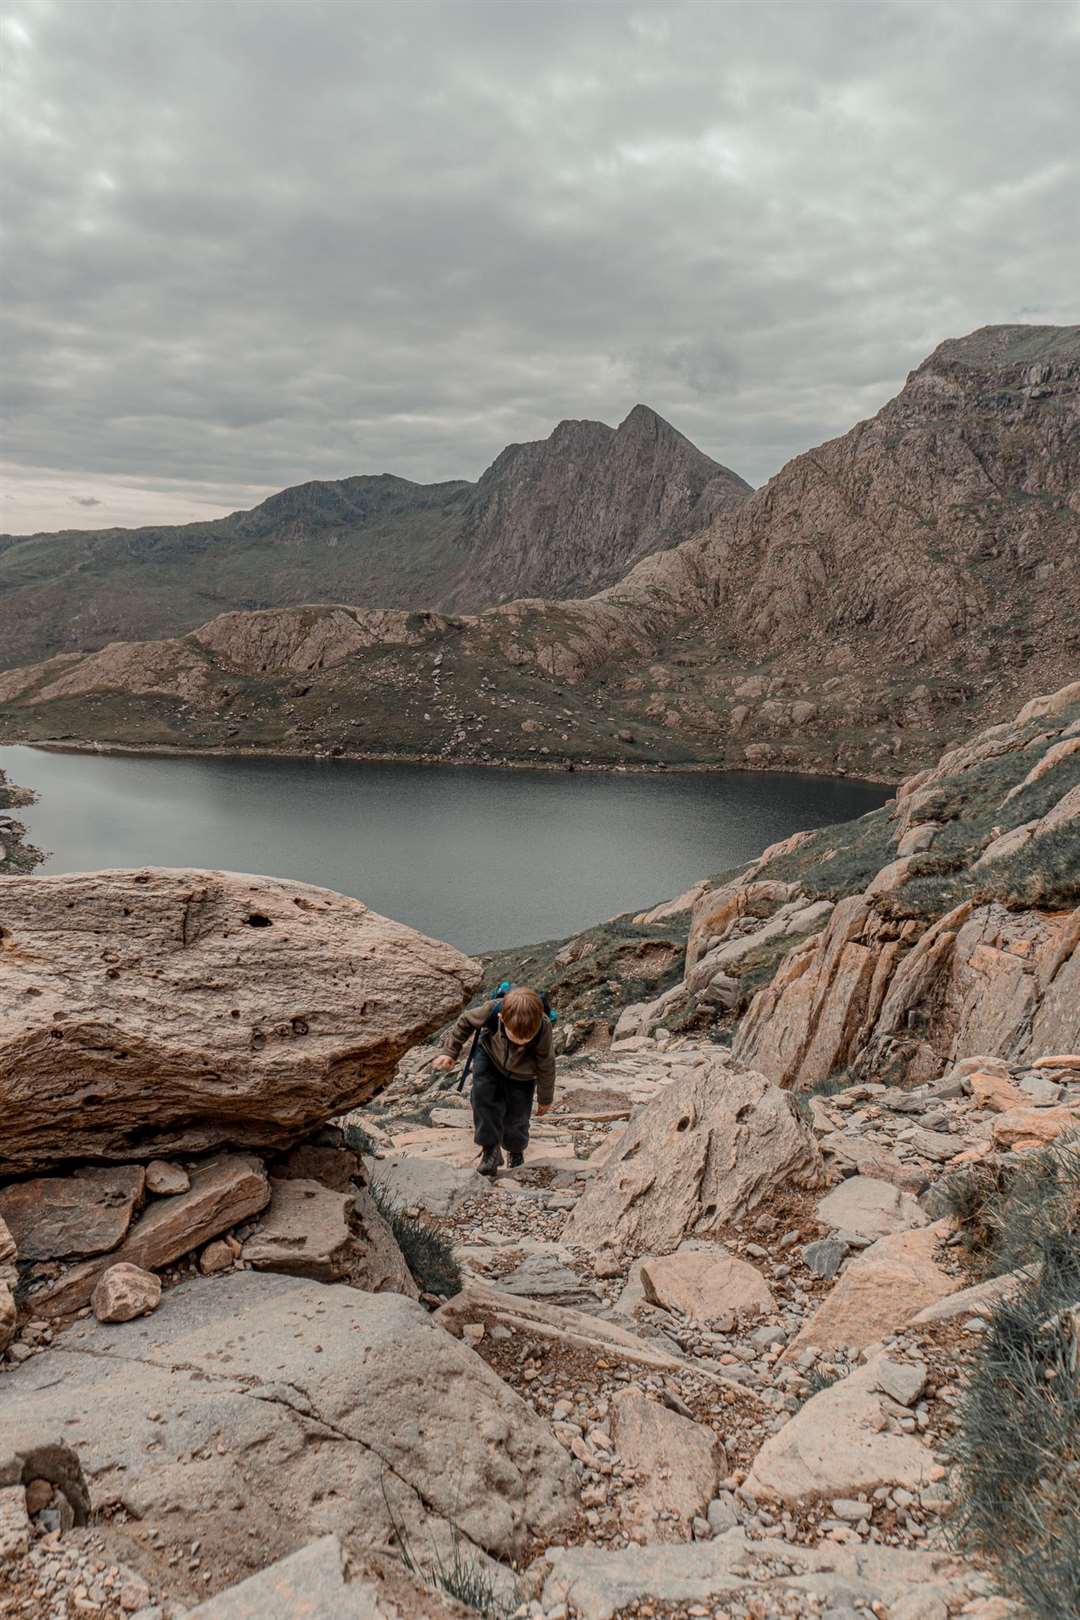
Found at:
(56, 1217)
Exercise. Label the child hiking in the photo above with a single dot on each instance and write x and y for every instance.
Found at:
(513, 1061)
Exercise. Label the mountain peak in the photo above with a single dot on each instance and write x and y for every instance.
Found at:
(992, 348)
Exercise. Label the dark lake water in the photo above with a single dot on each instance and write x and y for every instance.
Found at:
(478, 857)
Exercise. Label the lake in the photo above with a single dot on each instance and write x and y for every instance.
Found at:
(479, 857)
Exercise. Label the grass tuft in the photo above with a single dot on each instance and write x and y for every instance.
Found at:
(463, 1575)
(1018, 1439)
(428, 1252)
(358, 1139)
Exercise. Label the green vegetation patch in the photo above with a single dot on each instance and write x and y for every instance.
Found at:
(1017, 1451)
(428, 1252)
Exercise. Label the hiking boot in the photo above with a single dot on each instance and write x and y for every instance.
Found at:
(491, 1160)
(516, 1160)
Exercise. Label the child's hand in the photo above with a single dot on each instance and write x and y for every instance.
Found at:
(443, 1061)
(543, 1108)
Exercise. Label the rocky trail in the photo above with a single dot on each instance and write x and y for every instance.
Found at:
(735, 1341)
(754, 1422)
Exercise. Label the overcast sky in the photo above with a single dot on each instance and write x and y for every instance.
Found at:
(254, 243)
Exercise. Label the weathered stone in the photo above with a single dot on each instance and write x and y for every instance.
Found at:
(978, 1300)
(936, 1145)
(835, 1445)
(826, 1256)
(678, 1464)
(224, 1191)
(9, 1319)
(1034, 1127)
(902, 1381)
(879, 1292)
(870, 1208)
(825, 1579)
(334, 1166)
(1038, 1092)
(303, 1233)
(377, 1263)
(165, 1180)
(216, 1258)
(307, 1585)
(870, 1159)
(7, 1244)
(124, 1292)
(708, 1150)
(721, 1515)
(89, 1212)
(427, 1184)
(240, 1381)
(994, 1091)
(158, 1011)
(705, 1284)
(14, 1524)
(545, 1277)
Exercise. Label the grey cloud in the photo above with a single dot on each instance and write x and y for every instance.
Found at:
(85, 500)
(257, 241)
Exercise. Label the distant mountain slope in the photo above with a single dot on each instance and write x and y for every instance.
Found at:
(879, 596)
(561, 517)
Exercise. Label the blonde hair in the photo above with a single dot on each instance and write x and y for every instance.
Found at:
(522, 1014)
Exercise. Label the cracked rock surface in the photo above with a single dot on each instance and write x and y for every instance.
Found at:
(307, 1410)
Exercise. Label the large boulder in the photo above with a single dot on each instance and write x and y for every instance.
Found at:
(708, 1150)
(156, 1011)
(314, 1410)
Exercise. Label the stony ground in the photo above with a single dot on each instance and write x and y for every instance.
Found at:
(756, 1425)
(742, 1376)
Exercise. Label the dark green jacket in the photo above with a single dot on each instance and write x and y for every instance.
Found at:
(536, 1061)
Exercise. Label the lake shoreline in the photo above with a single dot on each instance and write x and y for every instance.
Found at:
(483, 858)
(449, 761)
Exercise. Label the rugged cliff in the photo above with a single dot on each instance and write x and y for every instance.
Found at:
(945, 925)
(877, 598)
(559, 517)
(16, 855)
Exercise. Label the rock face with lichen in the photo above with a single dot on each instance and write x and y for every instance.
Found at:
(156, 1011)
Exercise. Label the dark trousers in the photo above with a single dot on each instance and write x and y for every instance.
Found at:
(501, 1107)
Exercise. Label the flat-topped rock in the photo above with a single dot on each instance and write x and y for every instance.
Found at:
(837, 1445)
(601, 1583)
(677, 1463)
(706, 1284)
(224, 1191)
(870, 1208)
(151, 1012)
(55, 1217)
(880, 1291)
(312, 1409)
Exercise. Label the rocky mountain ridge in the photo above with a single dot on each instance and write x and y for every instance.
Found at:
(559, 517)
(881, 595)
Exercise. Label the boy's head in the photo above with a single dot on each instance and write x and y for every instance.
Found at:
(522, 1015)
